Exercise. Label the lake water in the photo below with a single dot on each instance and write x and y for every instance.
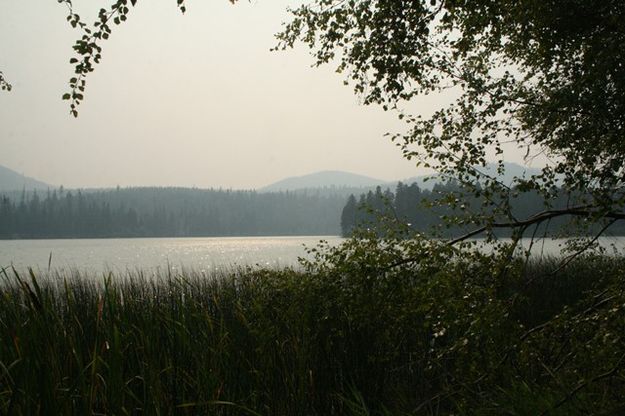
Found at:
(201, 254)
(119, 255)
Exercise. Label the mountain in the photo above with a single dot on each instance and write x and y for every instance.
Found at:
(512, 170)
(13, 181)
(327, 179)
(345, 183)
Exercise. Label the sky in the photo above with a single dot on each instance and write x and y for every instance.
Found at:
(195, 100)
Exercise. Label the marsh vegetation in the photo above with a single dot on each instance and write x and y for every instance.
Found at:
(357, 336)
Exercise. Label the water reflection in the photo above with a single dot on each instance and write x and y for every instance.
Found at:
(199, 254)
(119, 255)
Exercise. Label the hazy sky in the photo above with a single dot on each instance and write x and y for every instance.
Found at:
(189, 100)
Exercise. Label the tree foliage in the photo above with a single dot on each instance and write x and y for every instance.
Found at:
(547, 76)
(4, 84)
(88, 49)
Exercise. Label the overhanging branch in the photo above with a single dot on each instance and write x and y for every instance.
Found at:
(584, 211)
(547, 215)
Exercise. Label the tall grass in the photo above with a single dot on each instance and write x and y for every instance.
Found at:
(298, 343)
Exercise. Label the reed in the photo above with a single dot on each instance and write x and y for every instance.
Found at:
(287, 342)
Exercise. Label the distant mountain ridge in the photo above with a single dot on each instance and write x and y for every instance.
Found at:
(324, 182)
(346, 182)
(13, 181)
(324, 179)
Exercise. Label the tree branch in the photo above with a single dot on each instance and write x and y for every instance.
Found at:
(586, 246)
(583, 211)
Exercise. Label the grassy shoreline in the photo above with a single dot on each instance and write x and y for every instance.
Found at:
(326, 342)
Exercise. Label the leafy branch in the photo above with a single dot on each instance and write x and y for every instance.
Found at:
(541, 217)
(4, 85)
(88, 49)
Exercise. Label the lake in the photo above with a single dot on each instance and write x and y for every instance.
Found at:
(201, 254)
(122, 254)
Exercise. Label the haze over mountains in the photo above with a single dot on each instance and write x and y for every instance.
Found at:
(324, 179)
(337, 182)
(13, 181)
(312, 204)
(346, 182)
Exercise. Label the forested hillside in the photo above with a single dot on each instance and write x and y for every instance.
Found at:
(438, 211)
(159, 212)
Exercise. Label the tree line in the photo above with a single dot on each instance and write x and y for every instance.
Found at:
(445, 211)
(166, 212)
